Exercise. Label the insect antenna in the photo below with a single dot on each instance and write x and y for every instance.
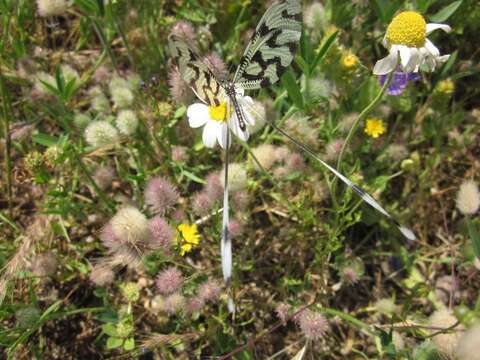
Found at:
(357, 189)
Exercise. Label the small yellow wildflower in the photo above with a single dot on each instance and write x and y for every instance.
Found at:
(349, 60)
(188, 237)
(446, 87)
(374, 127)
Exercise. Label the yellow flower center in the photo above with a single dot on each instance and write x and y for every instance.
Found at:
(407, 28)
(218, 113)
(374, 127)
(189, 237)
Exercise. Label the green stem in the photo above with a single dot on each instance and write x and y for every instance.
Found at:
(7, 151)
(349, 318)
(124, 39)
(103, 40)
(367, 110)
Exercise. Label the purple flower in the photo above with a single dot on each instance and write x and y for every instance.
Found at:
(399, 82)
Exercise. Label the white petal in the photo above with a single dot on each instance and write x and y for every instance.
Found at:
(385, 42)
(443, 58)
(386, 65)
(210, 131)
(415, 60)
(432, 49)
(405, 53)
(432, 27)
(222, 135)
(197, 115)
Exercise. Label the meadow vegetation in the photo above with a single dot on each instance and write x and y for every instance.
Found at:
(111, 204)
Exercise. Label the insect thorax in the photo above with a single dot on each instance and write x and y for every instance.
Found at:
(229, 87)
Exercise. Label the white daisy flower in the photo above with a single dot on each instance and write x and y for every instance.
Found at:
(216, 120)
(406, 38)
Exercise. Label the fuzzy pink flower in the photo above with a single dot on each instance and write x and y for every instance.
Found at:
(350, 275)
(20, 130)
(162, 233)
(295, 162)
(178, 87)
(179, 154)
(178, 215)
(102, 275)
(235, 228)
(160, 195)
(216, 64)
(173, 303)
(101, 75)
(104, 176)
(202, 203)
(333, 149)
(195, 304)
(108, 238)
(184, 30)
(169, 281)
(214, 187)
(240, 200)
(313, 324)
(282, 311)
(209, 290)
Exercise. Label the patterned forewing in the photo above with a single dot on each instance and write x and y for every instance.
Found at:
(194, 72)
(272, 46)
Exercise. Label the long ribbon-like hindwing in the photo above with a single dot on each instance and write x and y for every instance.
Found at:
(409, 234)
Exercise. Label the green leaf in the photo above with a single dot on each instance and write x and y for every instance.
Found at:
(44, 139)
(475, 236)
(60, 80)
(180, 112)
(302, 64)
(110, 329)
(449, 64)
(89, 6)
(306, 49)
(129, 344)
(446, 12)
(113, 343)
(193, 177)
(293, 90)
(52, 308)
(51, 88)
(385, 9)
(70, 89)
(323, 50)
(423, 5)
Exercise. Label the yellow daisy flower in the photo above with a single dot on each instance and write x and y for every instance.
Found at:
(374, 127)
(188, 237)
